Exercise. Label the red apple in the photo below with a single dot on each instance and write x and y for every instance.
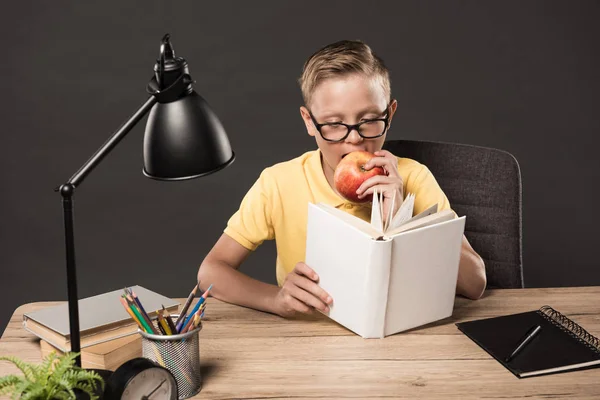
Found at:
(350, 173)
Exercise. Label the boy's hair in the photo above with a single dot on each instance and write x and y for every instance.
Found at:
(342, 58)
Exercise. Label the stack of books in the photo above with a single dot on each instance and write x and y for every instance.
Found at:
(108, 334)
(108, 355)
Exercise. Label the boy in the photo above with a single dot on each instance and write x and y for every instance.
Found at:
(348, 107)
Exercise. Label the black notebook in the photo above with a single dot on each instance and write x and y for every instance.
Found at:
(560, 345)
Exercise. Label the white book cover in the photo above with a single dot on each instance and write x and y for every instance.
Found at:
(385, 281)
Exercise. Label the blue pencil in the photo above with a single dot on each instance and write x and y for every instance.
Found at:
(196, 307)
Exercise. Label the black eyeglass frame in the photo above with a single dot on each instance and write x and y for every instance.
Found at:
(349, 128)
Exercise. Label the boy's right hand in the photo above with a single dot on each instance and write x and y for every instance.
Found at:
(300, 293)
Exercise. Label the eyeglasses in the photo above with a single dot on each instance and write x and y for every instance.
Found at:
(338, 131)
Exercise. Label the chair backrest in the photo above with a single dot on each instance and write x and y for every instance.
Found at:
(485, 185)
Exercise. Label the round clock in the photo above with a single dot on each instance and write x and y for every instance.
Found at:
(141, 378)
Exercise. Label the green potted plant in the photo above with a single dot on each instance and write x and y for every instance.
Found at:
(56, 377)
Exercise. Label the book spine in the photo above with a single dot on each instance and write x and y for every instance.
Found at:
(376, 288)
(52, 342)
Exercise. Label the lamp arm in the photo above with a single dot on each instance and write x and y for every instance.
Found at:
(110, 144)
(67, 190)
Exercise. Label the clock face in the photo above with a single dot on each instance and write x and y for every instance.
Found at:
(151, 384)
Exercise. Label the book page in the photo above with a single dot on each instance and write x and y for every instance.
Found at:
(442, 216)
(351, 220)
(376, 212)
(388, 217)
(404, 213)
(431, 210)
(388, 222)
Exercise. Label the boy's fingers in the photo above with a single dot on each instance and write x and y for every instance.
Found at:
(390, 164)
(383, 153)
(374, 180)
(303, 269)
(380, 189)
(308, 299)
(375, 162)
(312, 289)
(299, 306)
(386, 190)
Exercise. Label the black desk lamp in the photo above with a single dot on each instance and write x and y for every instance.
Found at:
(184, 139)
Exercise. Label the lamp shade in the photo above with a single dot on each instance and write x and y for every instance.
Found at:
(184, 139)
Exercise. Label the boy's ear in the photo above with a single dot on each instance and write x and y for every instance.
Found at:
(310, 128)
(393, 106)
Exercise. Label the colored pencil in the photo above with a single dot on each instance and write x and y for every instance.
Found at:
(197, 321)
(137, 321)
(128, 307)
(147, 328)
(142, 311)
(161, 329)
(169, 320)
(143, 316)
(187, 305)
(191, 326)
(162, 323)
(188, 325)
(198, 304)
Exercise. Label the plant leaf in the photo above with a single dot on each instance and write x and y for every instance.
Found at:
(65, 363)
(36, 392)
(62, 396)
(26, 368)
(54, 379)
(66, 385)
(9, 383)
(10, 380)
(21, 388)
(88, 389)
(45, 369)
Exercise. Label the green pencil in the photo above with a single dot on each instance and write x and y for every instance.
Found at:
(139, 316)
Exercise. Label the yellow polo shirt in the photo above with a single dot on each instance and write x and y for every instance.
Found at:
(276, 206)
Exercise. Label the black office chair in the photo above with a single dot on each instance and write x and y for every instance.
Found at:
(485, 185)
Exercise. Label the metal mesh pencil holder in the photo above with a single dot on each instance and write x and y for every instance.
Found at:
(180, 354)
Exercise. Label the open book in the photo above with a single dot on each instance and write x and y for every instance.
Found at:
(390, 275)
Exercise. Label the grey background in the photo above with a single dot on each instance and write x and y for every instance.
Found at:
(521, 76)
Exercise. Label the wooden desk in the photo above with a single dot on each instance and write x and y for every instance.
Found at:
(249, 354)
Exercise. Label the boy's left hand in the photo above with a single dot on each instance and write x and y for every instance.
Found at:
(386, 184)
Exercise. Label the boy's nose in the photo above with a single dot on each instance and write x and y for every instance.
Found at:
(354, 137)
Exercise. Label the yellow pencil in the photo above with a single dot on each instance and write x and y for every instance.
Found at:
(163, 323)
(169, 320)
(197, 321)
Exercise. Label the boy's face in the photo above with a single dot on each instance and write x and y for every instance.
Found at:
(349, 99)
